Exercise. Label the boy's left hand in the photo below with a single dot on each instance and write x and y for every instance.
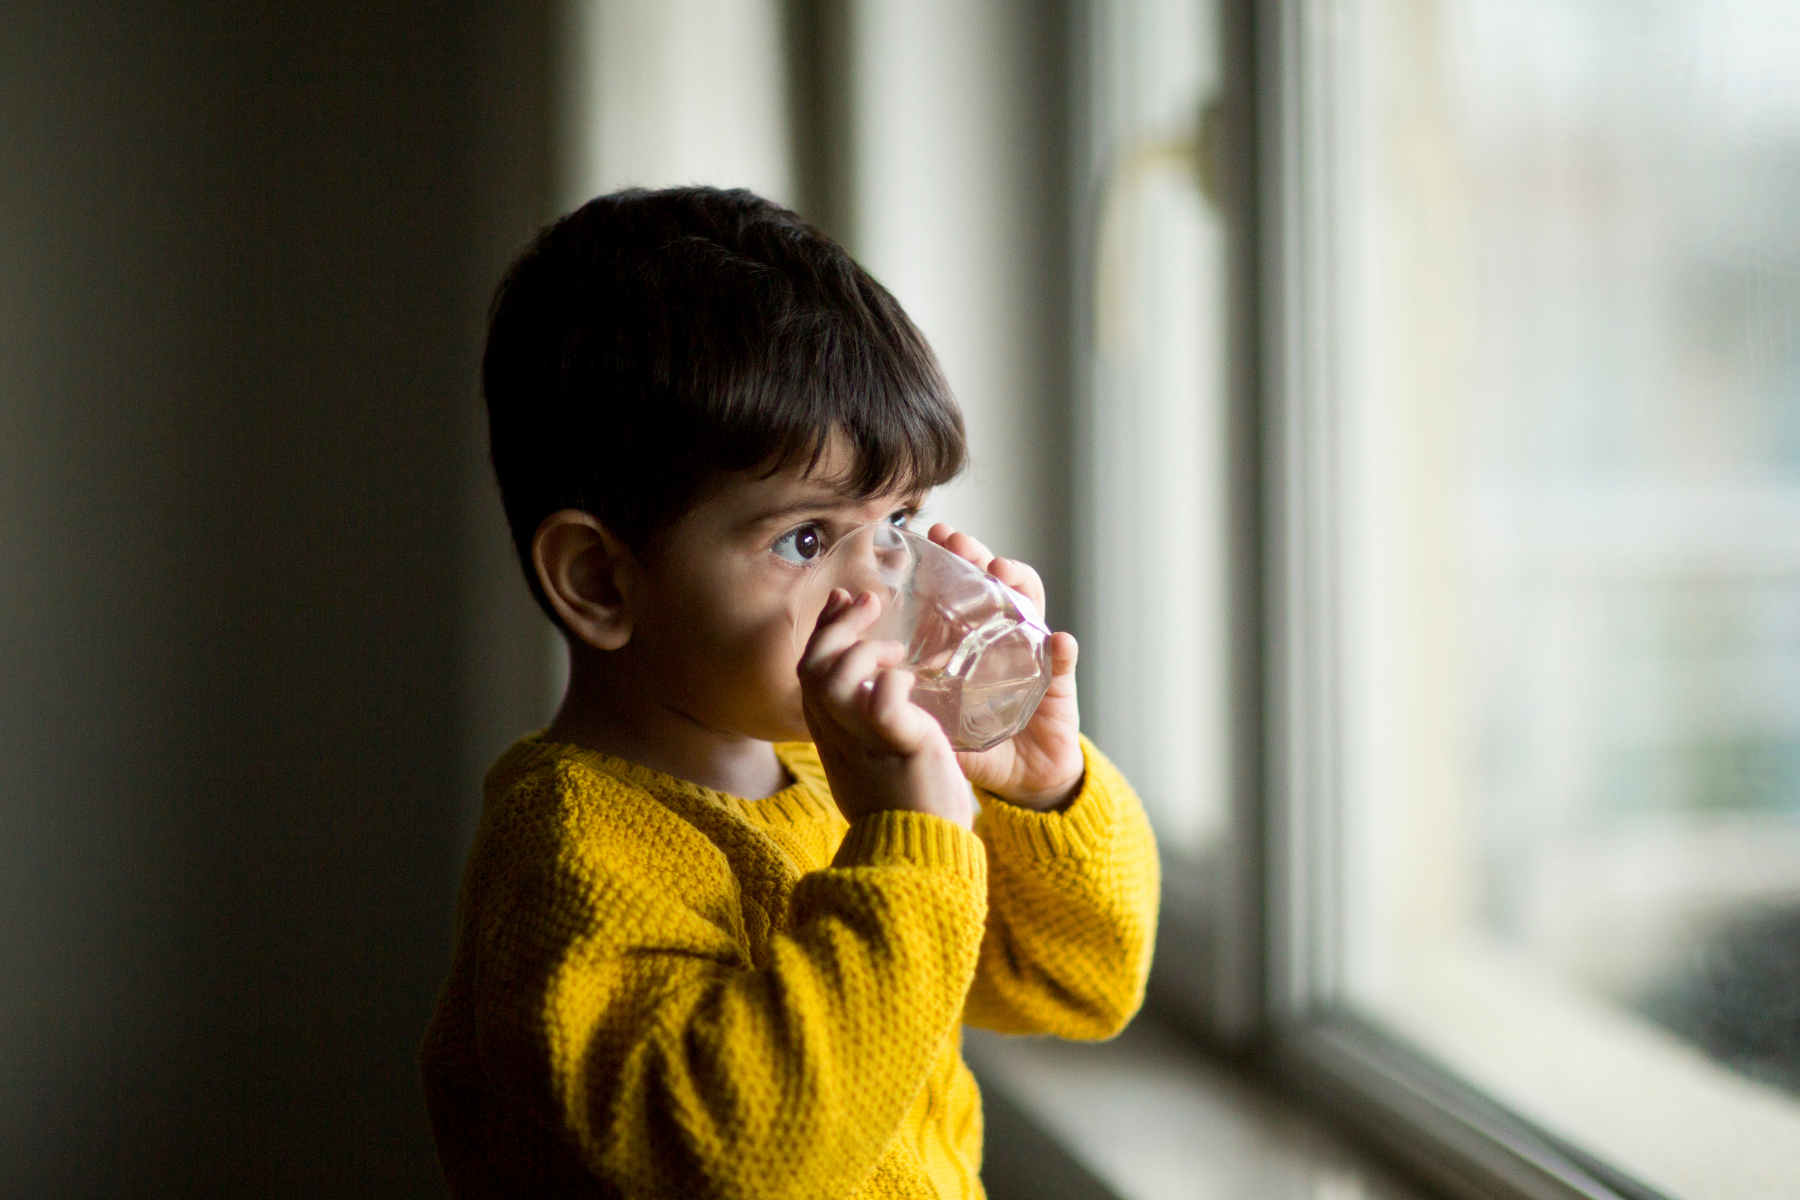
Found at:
(1040, 767)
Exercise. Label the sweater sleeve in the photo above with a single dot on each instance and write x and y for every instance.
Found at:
(634, 1024)
(1072, 907)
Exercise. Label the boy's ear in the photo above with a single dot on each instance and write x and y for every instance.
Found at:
(581, 567)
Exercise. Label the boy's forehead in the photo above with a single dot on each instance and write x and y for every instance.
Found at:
(794, 487)
(746, 500)
(821, 481)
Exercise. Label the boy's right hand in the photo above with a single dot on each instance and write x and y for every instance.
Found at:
(879, 749)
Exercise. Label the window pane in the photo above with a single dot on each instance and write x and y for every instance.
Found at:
(1156, 684)
(1570, 303)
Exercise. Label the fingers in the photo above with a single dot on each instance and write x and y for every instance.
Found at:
(842, 684)
(1020, 578)
(890, 709)
(841, 623)
(1064, 651)
(1014, 574)
(866, 699)
(850, 685)
(961, 545)
(1060, 706)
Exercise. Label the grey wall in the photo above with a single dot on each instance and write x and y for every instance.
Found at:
(248, 575)
(959, 174)
(260, 630)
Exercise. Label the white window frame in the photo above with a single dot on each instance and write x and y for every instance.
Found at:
(1449, 1129)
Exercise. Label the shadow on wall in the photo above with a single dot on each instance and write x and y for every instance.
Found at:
(247, 256)
(262, 625)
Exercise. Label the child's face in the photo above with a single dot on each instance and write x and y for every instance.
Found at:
(720, 590)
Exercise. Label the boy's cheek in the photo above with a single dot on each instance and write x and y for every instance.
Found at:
(785, 691)
(774, 676)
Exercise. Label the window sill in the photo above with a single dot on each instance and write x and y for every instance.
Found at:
(1606, 1081)
(1147, 1117)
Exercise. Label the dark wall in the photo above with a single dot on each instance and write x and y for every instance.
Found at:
(256, 626)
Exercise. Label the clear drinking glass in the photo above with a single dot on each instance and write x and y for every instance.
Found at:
(979, 649)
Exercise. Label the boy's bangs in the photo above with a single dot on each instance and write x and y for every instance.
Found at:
(884, 396)
(911, 452)
(651, 341)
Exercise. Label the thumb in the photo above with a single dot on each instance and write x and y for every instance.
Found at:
(1064, 651)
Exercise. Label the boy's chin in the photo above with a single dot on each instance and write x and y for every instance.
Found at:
(796, 732)
(790, 726)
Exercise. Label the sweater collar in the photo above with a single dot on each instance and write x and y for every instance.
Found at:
(806, 798)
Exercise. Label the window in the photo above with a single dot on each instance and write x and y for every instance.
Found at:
(1438, 498)
(1534, 368)
(1167, 544)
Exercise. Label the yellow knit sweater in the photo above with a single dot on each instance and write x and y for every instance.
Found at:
(681, 993)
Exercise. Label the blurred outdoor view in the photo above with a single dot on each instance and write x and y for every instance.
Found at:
(1155, 495)
(1633, 501)
(1160, 599)
(1571, 283)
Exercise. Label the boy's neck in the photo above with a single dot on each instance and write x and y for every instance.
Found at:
(609, 715)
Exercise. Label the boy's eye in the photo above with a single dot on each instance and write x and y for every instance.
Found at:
(801, 545)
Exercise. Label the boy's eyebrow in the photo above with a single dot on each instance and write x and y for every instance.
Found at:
(795, 507)
(815, 503)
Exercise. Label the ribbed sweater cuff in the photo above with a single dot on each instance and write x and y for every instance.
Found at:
(1074, 832)
(915, 839)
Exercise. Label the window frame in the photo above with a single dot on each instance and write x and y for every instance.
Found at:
(1249, 954)
(1283, 897)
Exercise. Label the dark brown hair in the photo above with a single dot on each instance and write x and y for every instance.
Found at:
(652, 339)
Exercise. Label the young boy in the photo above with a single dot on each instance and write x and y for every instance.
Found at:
(724, 919)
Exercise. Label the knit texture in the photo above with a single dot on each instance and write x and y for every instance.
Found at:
(662, 990)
